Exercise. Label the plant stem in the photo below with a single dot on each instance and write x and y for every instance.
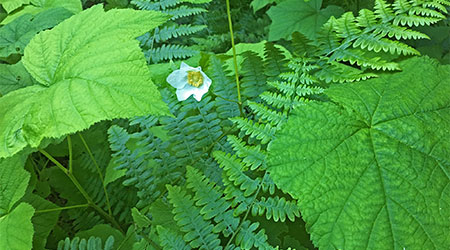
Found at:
(60, 208)
(69, 144)
(108, 204)
(236, 72)
(226, 99)
(246, 214)
(82, 191)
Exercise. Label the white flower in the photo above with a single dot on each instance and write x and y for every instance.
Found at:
(189, 81)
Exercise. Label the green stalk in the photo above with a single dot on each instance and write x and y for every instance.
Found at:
(82, 191)
(236, 72)
(108, 204)
(61, 208)
(69, 144)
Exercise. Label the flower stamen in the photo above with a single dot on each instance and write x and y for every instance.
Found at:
(195, 78)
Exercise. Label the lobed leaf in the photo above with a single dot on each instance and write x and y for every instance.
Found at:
(86, 73)
(371, 169)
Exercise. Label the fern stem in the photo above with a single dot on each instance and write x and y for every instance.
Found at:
(82, 191)
(69, 145)
(236, 72)
(221, 136)
(108, 204)
(61, 208)
(245, 216)
(228, 100)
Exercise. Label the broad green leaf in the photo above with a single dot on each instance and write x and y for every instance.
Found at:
(87, 73)
(10, 5)
(371, 169)
(38, 6)
(13, 77)
(16, 35)
(297, 15)
(13, 182)
(16, 230)
(44, 222)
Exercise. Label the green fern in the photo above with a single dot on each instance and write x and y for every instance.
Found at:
(168, 41)
(367, 40)
(170, 240)
(212, 214)
(198, 231)
(93, 243)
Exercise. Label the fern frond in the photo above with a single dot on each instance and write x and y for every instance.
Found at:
(156, 5)
(174, 31)
(377, 43)
(414, 20)
(275, 62)
(350, 38)
(285, 87)
(401, 6)
(224, 87)
(437, 5)
(337, 72)
(383, 10)
(281, 101)
(422, 11)
(263, 132)
(157, 44)
(148, 4)
(276, 208)
(326, 38)
(358, 57)
(248, 238)
(346, 26)
(235, 195)
(144, 156)
(302, 45)
(183, 11)
(268, 115)
(253, 78)
(267, 184)
(198, 232)
(399, 32)
(213, 204)
(93, 243)
(366, 19)
(171, 51)
(171, 240)
(251, 155)
(234, 170)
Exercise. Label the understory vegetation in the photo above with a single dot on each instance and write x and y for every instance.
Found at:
(235, 124)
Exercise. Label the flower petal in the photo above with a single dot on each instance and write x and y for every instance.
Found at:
(184, 66)
(206, 79)
(178, 78)
(202, 90)
(184, 93)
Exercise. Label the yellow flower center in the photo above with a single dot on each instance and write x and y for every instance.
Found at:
(195, 78)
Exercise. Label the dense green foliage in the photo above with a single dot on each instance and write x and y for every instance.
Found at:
(391, 131)
(325, 126)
